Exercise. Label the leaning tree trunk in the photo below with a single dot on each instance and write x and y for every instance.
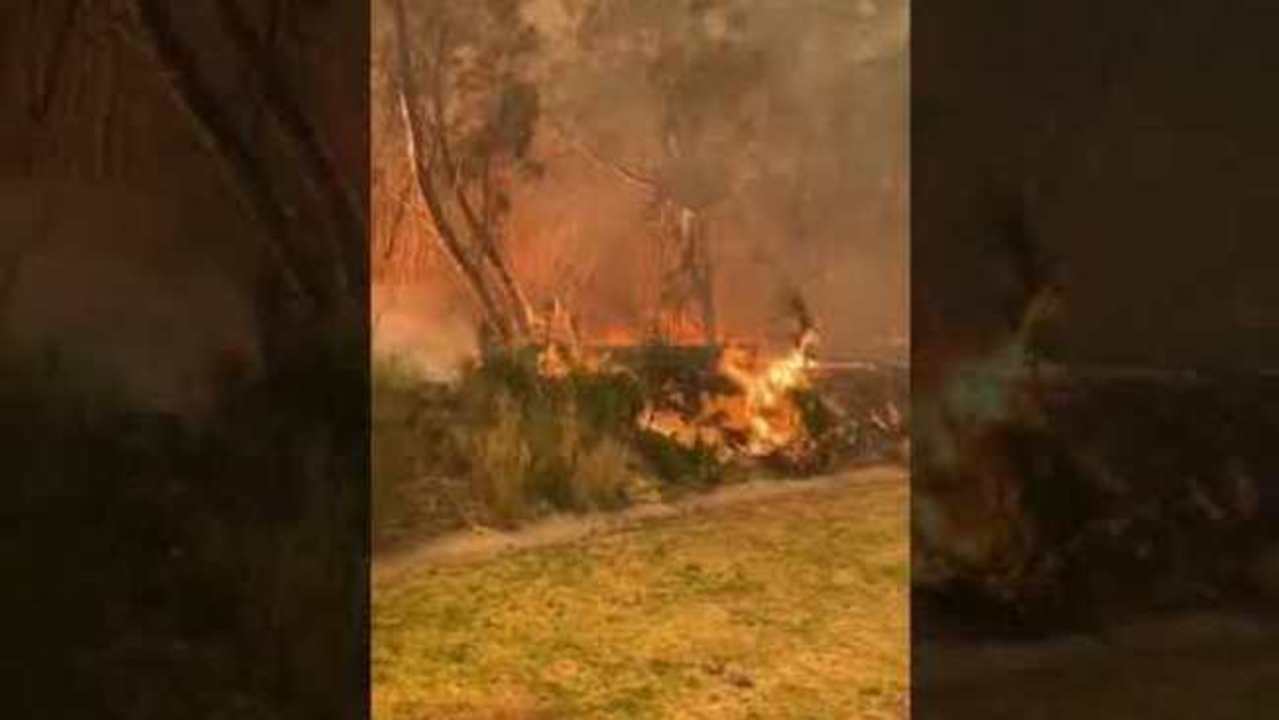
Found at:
(421, 163)
(470, 243)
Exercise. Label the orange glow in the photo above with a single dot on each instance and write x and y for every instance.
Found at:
(762, 415)
(757, 418)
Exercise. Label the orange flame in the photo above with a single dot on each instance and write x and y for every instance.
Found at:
(763, 412)
(759, 418)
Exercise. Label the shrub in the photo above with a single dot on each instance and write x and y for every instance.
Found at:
(678, 466)
(412, 450)
(600, 476)
(501, 462)
(521, 443)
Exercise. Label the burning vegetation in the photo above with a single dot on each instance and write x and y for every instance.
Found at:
(616, 252)
(573, 427)
(751, 409)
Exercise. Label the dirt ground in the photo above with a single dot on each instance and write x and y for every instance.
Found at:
(779, 601)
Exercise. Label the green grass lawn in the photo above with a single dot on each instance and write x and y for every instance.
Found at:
(792, 608)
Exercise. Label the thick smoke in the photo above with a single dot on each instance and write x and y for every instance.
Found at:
(801, 155)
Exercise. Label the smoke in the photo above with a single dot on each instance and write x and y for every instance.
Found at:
(792, 124)
(128, 292)
(425, 327)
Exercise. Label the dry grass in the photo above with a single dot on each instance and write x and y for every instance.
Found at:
(501, 464)
(792, 609)
(600, 476)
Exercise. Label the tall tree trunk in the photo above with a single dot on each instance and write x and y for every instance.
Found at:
(482, 224)
(422, 160)
(521, 309)
(688, 291)
(469, 236)
(693, 232)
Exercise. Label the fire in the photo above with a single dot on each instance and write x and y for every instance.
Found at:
(759, 419)
(744, 407)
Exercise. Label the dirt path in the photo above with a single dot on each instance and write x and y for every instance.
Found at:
(469, 546)
(763, 601)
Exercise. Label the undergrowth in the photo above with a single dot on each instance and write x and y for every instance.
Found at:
(523, 444)
(533, 444)
(504, 443)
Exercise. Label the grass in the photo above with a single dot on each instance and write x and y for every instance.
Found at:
(793, 609)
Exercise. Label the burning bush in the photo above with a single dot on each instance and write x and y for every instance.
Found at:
(537, 429)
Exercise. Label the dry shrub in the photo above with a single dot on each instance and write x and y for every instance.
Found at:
(502, 462)
(521, 464)
(600, 476)
(413, 459)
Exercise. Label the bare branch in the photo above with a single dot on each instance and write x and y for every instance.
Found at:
(401, 209)
(193, 95)
(627, 174)
(322, 173)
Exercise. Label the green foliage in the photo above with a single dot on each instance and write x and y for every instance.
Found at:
(696, 74)
(476, 61)
(608, 403)
(534, 443)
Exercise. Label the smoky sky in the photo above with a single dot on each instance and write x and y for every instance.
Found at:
(816, 186)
